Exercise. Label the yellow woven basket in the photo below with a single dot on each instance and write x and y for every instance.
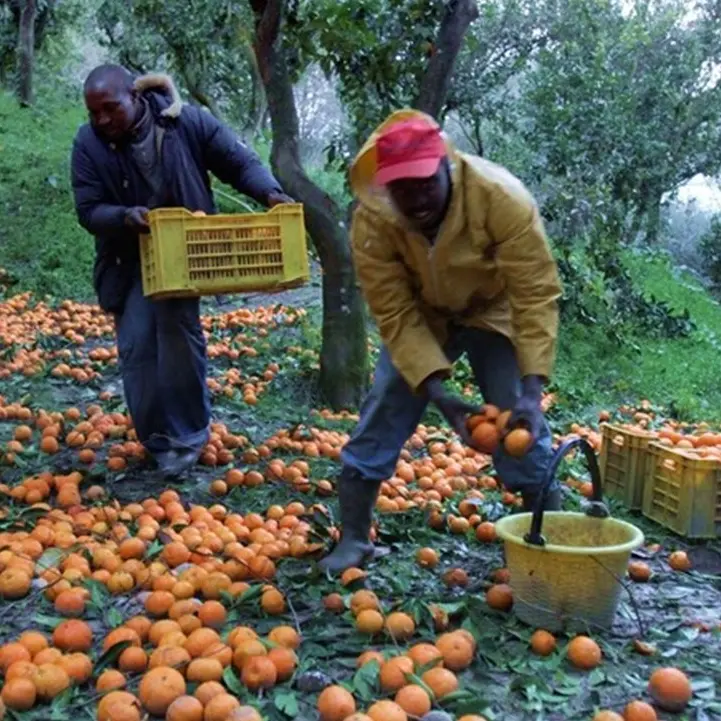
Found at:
(571, 576)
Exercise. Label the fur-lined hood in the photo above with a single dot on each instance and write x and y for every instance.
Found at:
(162, 85)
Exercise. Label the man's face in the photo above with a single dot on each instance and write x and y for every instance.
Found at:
(423, 201)
(111, 109)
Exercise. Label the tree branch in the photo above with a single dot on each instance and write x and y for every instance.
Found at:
(437, 78)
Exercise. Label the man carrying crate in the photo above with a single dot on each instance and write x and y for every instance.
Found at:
(452, 257)
(142, 149)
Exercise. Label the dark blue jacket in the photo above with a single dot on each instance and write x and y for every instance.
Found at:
(106, 182)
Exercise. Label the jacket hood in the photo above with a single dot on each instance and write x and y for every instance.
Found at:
(363, 168)
(161, 89)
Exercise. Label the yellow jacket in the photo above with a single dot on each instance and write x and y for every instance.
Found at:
(490, 267)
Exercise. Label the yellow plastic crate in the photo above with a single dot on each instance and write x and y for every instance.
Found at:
(623, 462)
(185, 255)
(683, 493)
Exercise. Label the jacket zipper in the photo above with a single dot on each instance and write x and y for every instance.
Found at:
(434, 275)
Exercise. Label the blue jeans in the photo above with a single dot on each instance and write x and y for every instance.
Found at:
(163, 363)
(391, 412)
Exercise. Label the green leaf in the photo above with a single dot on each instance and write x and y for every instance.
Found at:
(287, 702)
(365, 681)
(50, 559)
(113, 617)
(233, 682)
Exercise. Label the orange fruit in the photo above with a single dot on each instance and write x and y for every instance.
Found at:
(679, 561)
(400, 626)
(670, 688)
(212, 614)
(109, 705)
(518, 442)
(362, 600)
(20, 669)
(246, 650)
(120, 634)
(423, 654)
(285, 636)
(414, 700)
(607, 716)
(387, 711)
(204, 669)
(284, 660)
(486, 532)
(208, 691)
(543, 643)
(244, 713)
(259, 672)
(220, 707)
(639, 571)
(34, 641)
(185, 708)
(19, 694)
(110, 680)
(584, 653)
(639, 711)
(500, 597)
(335, 704)
(368, 656)
(427, 558)
(393, 673)
(334, 602)
(485, 437)
(78, 666)
(440, 681)
(369, 621)
(50, 681)
(456, 651)
(73, 635)
(159, 687)
(10, 653)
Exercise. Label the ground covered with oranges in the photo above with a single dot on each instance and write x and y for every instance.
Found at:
(124, 599)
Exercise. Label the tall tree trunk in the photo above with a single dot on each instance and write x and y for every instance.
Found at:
(26, 52)
(436, 80)
(344, 353)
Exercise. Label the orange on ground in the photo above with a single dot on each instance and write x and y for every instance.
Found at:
(387, 711)
(584, 653)
(159, 688)
(400, 626)
(19, 694)
(220, 707)
(670, 688)
(285, 636)
(369, 621)
(185, 708)
(259, 672)
(440, 681)
(393, 673)
(335, 704)
(423, 654)
(543, 643)
(500, 597)
(639, 711)
(413, 700)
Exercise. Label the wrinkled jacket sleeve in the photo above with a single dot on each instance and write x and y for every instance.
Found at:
(414, 350)
(95, 214)
(523, 257)
(230, 160)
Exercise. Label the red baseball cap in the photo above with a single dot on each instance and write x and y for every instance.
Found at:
(410, 148)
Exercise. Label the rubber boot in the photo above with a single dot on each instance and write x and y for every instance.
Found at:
(357, 496)
(553, 500)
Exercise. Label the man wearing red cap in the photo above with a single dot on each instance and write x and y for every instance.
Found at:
(452, 257)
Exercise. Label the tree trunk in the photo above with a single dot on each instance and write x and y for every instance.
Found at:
(26, 52)
(344, 353)
(436, 80)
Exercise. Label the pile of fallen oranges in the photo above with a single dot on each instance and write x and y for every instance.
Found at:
(189, 564)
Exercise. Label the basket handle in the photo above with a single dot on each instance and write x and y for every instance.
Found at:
(596, 508)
